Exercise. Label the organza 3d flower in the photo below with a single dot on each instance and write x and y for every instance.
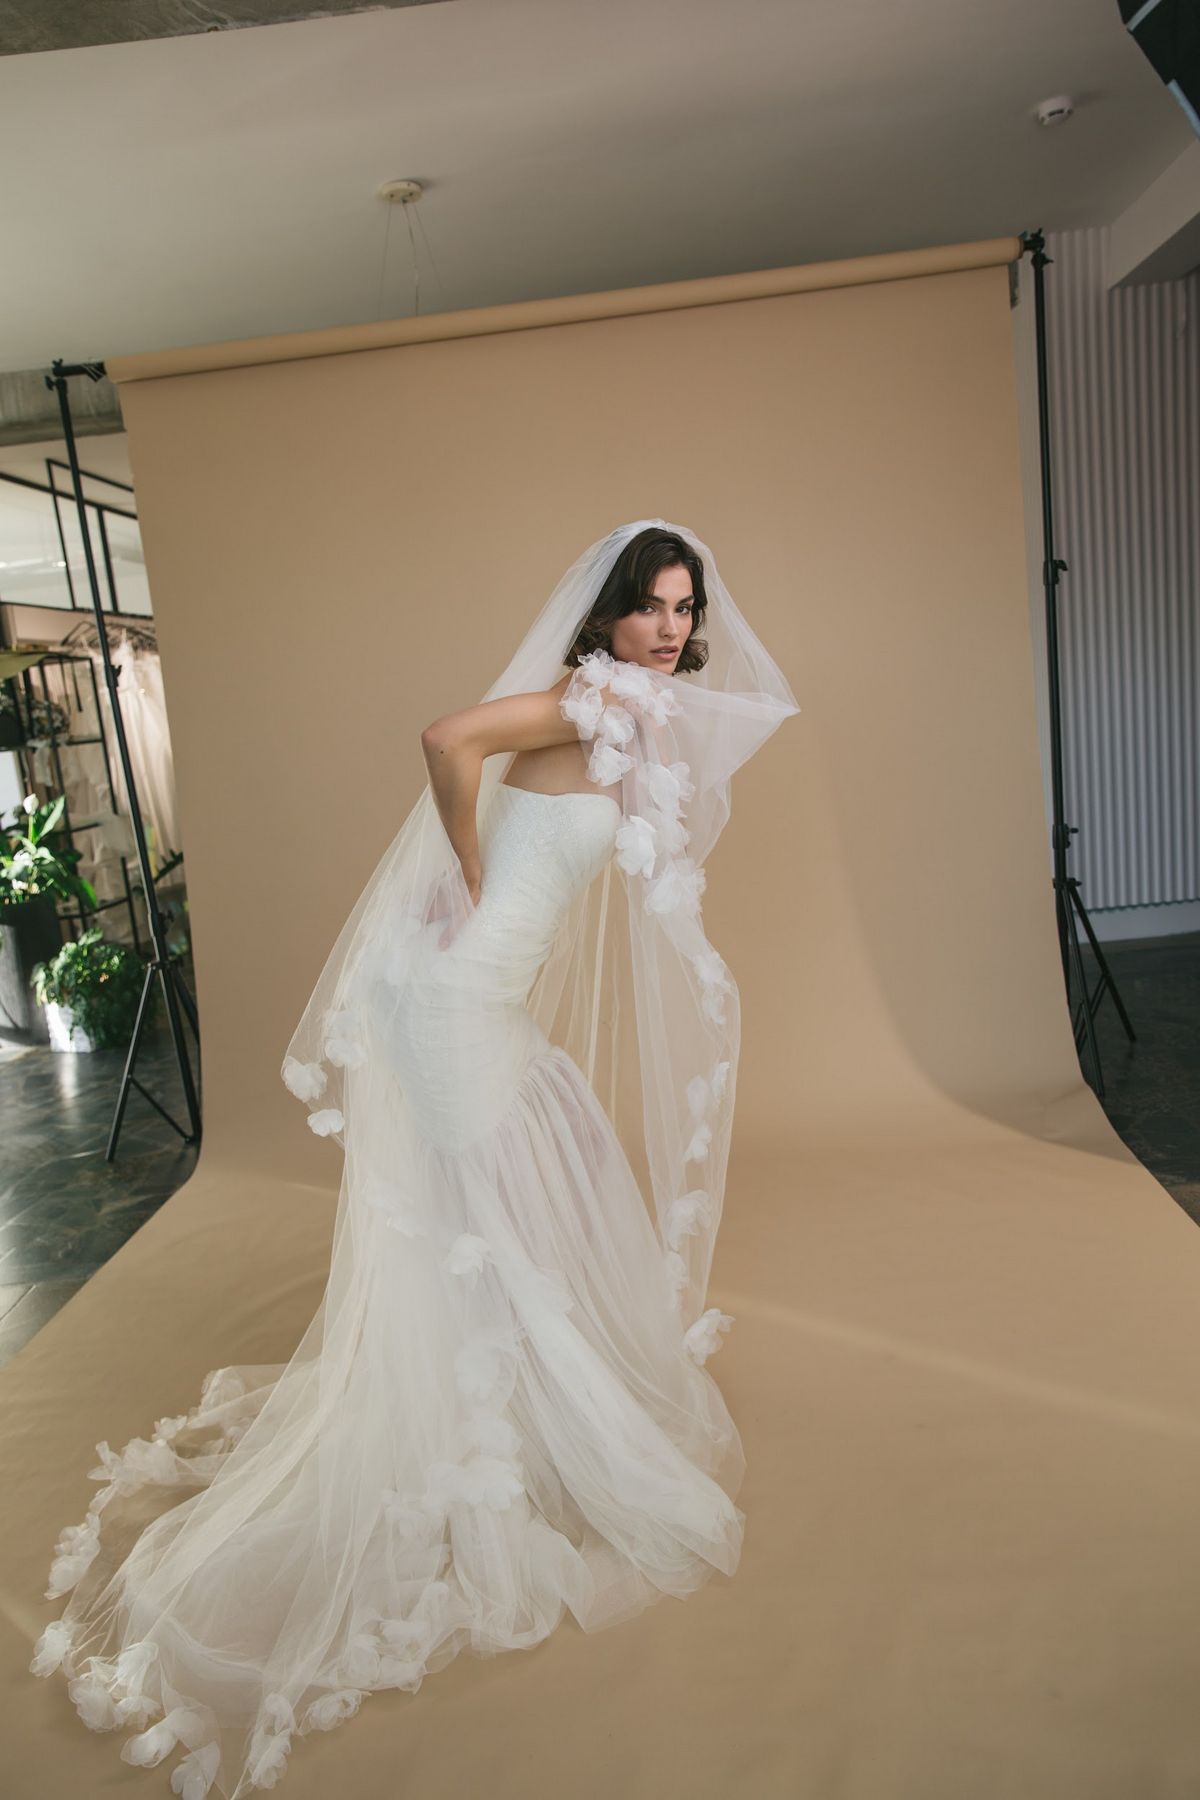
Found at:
(686, 1213)
(342, 1045)
(584, 710)
(52, 1648)
(597, 668)
(76, 1550)
(703, 1092)
(615, 726)
(715, 983)
(139, 1462)
(667, 785)
(305, 1080)
(271, 1741)
(330, 1710)
(182, 1725)
(671, 833)
(359, 1666)
(699, 1144)
(467, 1255)
(677, 1274)
(680, 885)
(704, 1336)
(192, 1778)
(635, 845)
(607, 764)
(326, 1122)
(630, 681)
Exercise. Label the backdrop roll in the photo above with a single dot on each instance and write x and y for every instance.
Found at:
(966, 1365)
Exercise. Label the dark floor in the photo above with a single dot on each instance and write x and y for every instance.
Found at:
(1152, 1086)
(64, 1210)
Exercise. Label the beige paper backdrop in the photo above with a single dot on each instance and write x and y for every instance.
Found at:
(965, 1358)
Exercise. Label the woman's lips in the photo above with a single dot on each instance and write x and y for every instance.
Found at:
(665, 653)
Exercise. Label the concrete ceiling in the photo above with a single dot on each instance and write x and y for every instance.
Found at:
(186, 189)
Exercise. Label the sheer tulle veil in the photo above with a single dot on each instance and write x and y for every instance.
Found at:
(672, 742)
(500, 1407)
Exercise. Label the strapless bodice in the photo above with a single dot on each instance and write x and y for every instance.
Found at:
(537, 852)
(459, 1034)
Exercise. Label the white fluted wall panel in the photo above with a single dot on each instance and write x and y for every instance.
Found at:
(1124, 371)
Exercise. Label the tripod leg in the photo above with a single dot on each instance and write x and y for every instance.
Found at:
(130, 1059)
(1089, 1025)
(185, 998)
(185, 1068)
(1106, 980)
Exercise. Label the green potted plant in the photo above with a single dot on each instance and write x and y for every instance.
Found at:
(90, 990)
(35, 873)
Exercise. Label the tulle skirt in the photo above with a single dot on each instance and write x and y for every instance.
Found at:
(492, 1419)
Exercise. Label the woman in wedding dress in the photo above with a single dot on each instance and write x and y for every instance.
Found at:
(501, 1410)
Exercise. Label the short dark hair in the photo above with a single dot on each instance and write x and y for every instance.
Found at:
(629, 581)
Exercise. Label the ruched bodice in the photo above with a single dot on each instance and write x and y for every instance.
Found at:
(537, 851)
(461, 1037)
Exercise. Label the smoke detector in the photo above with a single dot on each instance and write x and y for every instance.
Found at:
(1056, 111)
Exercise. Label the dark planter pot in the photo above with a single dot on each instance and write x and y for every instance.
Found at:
(29, 933)
(11, 735)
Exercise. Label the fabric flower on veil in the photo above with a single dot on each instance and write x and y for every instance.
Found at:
(634, 683)
(680, 885)
(342, 1046)
(271, 1741)
(702, 1095)
(702, 1338)
(686, 1213)
(305, 1080)
(330, 1710)
(182, 1725)
(467, 1255)
(584, 710)
(635, 845)
(52, 1648)
(326, 1122)
(715, 983)
(668, 786)
(606, 764)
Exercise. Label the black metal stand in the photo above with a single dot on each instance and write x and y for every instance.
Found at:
(161, 964)
(1069, 908)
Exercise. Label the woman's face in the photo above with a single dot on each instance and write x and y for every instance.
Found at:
(656, 630)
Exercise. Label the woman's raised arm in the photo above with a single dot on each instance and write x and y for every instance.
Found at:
(455, 745)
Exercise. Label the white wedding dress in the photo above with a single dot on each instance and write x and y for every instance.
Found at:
(497, 1419)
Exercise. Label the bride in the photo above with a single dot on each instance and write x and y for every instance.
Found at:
(501, 1409)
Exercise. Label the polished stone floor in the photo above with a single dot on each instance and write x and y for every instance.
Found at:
(64, 1210)
(1152, 1086)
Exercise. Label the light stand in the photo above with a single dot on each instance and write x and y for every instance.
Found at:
(161, 963)
(1068, 903)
